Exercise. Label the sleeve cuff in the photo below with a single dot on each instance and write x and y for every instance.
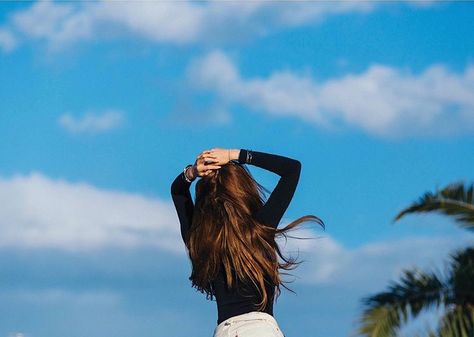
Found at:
(243, 156)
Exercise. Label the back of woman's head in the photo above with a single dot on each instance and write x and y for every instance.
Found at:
(232, 187)
(225, 234)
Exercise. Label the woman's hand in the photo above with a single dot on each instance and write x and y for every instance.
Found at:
(205, 163)
(223, 156)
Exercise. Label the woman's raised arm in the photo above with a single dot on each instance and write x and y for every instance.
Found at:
(289, 171)
(182, 202)
(287, 168)
(180, 190)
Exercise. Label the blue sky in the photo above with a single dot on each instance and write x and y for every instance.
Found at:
(102, 104)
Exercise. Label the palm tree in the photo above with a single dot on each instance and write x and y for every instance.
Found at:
(455, 200)
(417, 291)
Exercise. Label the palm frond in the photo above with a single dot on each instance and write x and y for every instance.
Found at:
(461, 278)
(387, 311)
(381, 321)
(457, 322)
(454, 200)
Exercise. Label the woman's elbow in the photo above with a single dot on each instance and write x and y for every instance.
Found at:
(297, 166)
(175, 188)
(293, 168)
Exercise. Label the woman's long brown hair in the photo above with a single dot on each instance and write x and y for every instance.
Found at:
(225, 232)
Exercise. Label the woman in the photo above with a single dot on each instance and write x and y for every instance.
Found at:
(230, 235)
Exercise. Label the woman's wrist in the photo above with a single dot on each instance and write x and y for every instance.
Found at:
(194, 171)
(245, 156)
(233, 154)
(189, 173)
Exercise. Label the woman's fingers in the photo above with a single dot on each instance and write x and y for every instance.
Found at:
(206, 162)
(212, 167)
(205, 154)
(222, 155)
(207, 159)
(205, 167)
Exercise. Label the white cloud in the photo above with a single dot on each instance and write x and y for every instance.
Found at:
(58, 24)
(384, 101)
(8, 42)
(92, 122)
(38, 211)
(328, 262)
(179, 22)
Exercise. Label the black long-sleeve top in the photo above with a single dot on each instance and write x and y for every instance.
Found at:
(231, 303)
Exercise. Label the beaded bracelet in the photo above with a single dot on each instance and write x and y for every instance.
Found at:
(184, 174)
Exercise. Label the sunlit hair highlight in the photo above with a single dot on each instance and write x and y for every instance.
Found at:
(225, 232)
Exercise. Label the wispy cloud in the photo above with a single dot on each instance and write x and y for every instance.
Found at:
(329, 262)
(8, 42)
(182, 22)
(57, 24)
(382, 101)
(92, 122)
(38, 211)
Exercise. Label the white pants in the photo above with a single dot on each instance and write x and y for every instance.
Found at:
(251, 324)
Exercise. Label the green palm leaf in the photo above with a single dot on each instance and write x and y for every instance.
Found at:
(387, 311)
(380, 321)
(462, 277)
(458, 322)
(455, 200)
